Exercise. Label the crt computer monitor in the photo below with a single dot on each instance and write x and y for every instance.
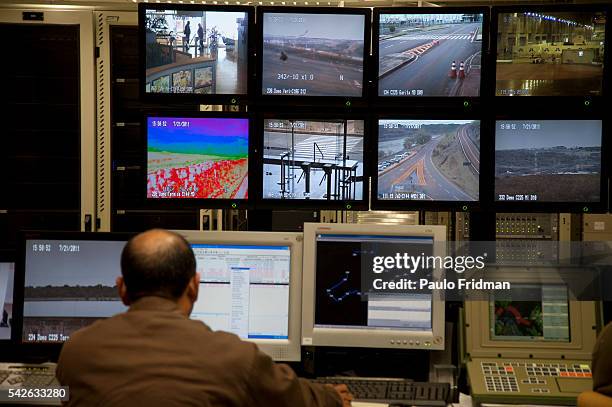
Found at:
(212, 60)
(334, 312)
(542, 316)
(7, 271)
(430, 54)
(251, 286)
(550, 52)
(313, 53)
(313, 160)
(428, 160)
(197, 158)
(538, 317)
(68, 282)
(548, 161)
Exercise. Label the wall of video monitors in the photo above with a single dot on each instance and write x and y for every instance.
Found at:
(392, 108)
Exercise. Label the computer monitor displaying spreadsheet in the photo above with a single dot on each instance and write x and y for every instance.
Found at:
(244, 289)
(69, 283)
(250, 285)
(336, 311)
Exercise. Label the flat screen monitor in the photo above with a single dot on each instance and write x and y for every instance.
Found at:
(195, 50)
(437, 54)
(547, 52)
(336, 311)
(548, 161)
(542, 314)
(250, 286)
(313, 160)
(313, 53)
(69, 283)
(197, 158)
(428, 160)
(7, 271)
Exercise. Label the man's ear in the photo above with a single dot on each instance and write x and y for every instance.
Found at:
(123, 294)
(193, 288)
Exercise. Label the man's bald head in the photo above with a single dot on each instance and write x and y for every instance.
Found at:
(157, 263)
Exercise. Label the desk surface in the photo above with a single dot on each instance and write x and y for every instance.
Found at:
(464, 401)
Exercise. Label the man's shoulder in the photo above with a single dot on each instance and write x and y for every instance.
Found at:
(125, 327)
(94, 332)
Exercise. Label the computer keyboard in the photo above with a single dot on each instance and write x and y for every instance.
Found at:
(29, 376)
(15, 375)
(393, 391)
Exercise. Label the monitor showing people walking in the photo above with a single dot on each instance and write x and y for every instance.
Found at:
(195, 49)
(429, 54)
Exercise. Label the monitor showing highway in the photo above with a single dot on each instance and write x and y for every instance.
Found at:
(429, 55)
(313, 54)
(550, 53)
(435, 160)
(548, 160)
(313, 159)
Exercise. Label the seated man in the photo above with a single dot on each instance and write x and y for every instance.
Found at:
(602, 362)
(154, 355)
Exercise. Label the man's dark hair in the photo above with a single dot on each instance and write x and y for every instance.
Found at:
(157, 263)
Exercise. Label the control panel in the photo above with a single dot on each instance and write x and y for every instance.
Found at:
(513, 251)
(527, 226)
(527, 238)
(462, 223)
(517, 381)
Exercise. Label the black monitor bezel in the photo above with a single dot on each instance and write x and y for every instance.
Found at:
(262, 203)
(451, 101)
(45, 348)
(200, 203)
(541, 206)
(346, 101)
(221, 99)
(403, 205)
(569, 103)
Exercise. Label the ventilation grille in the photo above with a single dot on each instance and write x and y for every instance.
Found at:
(101, 91)
(279, 353)
(386, 218)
